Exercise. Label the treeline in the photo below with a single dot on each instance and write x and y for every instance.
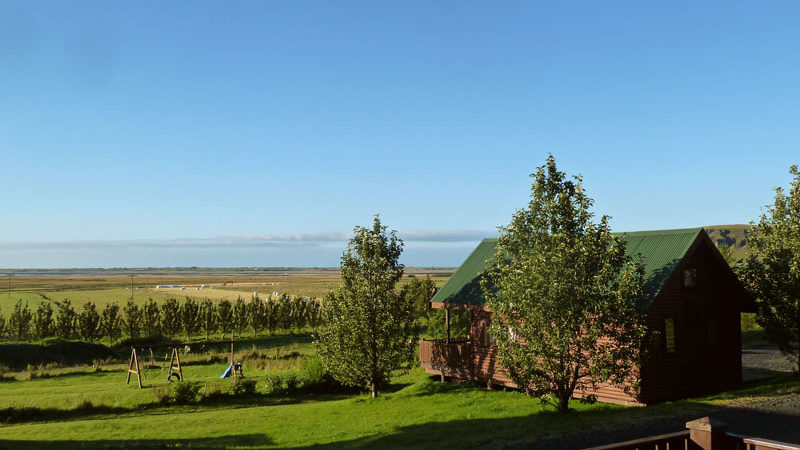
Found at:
(170, 318)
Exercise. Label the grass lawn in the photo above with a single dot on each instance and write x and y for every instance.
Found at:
(79, 407)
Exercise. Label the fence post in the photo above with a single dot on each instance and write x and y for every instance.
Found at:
(709, 433)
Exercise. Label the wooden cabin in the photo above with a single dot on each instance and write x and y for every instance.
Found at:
(695, 301)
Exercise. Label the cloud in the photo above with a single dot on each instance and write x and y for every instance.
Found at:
(242, 242)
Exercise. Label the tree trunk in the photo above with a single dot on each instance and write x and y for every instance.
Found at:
(563, 404)
(373, 390)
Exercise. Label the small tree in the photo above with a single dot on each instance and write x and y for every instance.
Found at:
(151, 318)
(225, 317)
(239, 316)
(67, 319)
(299, 313)
(111, 322)
(773, 269)
(419, 292)
(132, 319)
(2, 325)
(171, 317)
(19, 323)
(314, 315)
(283, 312)
(190, 313)
(566, 301)
(89, 322)
(208, 317)
(273, 315)
(257, 315)
(43, 320)
(370, 328)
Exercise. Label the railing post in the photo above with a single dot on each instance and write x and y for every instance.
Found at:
(709, 433)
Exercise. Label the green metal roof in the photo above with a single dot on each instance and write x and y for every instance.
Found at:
(660, 250)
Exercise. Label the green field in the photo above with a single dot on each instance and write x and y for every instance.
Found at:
(85, 407)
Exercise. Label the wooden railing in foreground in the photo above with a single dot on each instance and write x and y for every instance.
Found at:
(705, 433)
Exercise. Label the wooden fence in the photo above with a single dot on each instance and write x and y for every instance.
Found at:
(705, 434)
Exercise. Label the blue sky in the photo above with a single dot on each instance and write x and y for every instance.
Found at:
(259, 133)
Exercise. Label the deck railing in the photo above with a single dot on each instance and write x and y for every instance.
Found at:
(446, 355)
(704, 433)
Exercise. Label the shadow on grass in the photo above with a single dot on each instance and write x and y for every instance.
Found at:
(222, 442)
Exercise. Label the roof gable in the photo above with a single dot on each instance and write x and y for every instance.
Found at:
(660, 250)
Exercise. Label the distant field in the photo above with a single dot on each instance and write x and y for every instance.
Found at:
(102, 289)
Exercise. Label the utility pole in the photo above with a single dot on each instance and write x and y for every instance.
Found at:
(131, 286)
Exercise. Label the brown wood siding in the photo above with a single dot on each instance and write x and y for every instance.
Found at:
(707, 356)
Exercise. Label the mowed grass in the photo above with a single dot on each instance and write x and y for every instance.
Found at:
(89, 408)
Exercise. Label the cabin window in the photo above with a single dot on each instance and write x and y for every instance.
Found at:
(669, 334)
(690, 278)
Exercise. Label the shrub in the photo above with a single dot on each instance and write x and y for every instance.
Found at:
(275, 384)
(292, 383)
(162, 394)
(244, 386)
(184, 392)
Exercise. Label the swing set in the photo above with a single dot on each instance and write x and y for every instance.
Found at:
(175, 372)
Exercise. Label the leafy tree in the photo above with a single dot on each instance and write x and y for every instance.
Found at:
(273, 315)
(19, 322)
(299, 313)
(2, 325)
(225, 317)
(151, 318)
(314, 314)
(419, 292)
(567, 302)
(208, 317)
(239, 316)
(190, 312)
(369, 326)
(89, 322)
(43, 324)
(67, 320)
(111, 322)
(283, 312)
(460, 322)
(773, 269)
(171, 317)
(132, 319)
(257, 315)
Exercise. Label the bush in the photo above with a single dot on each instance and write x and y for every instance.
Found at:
(315, 378)
(292, 383)
(275, 384)
(184, 392)
(162, 394)
(244, 386)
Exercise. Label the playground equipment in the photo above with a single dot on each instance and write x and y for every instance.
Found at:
(175, 363)
(134, 360)
(234, 368)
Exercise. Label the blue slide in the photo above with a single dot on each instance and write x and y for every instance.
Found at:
(227, 371)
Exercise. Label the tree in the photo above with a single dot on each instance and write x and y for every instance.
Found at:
(257, 315)
(151, 318)
(111, 322)
(19, 322)
(190, 313)
(273, 315)
(239, 316)
(170, 317)
(567, 303)
(299, 313)
(67, 319)
(225, 316)
(43, 324)
(419, 292)
(208, 317)
(772, 272)
(2, 325)
(89, 322)
(132, 319)
(314, 314)
(369, 326)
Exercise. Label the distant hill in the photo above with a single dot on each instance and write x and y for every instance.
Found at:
(733, 236)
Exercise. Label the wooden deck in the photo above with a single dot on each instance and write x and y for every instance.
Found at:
(463, 359)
